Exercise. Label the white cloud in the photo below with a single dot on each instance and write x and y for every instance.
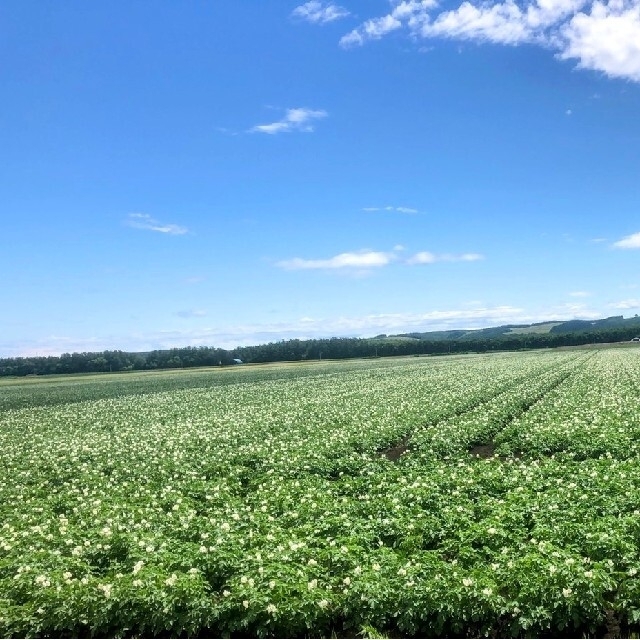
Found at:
(630, 242)
(367, 259)
(393, 209)
(426, 257)
(423, 257)
(300, 119)
(471, 316)
(319, 12)
(632, 303)
(371, 30)
(145, 221)
(606, 39)
(355, 260)
(376, 28)
(579, 294)
(601, 35)
(502, 22)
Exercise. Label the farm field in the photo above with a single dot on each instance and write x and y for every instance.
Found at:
(465, 496)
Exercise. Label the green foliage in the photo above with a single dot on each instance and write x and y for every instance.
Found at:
(266, 508)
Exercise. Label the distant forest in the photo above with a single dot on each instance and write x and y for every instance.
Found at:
(572, 333)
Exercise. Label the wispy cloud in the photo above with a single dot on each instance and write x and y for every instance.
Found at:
(392, 209)
(300, 119)
(631, 303)
(426, 257)
(579, 294)
(602, 35)
(368, 259)
(319, 12)
(191, 313)
(630, 242)
(147, 222)
(372, 29)
(355, 260)
(470, 316)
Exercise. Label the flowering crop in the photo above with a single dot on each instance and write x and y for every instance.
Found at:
(266, 506)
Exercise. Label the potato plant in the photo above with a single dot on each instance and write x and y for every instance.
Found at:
(268, 507)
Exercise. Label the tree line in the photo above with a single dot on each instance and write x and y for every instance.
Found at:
(299, 350)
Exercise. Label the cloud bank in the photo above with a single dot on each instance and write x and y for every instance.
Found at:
(599, 35)
(469, 317)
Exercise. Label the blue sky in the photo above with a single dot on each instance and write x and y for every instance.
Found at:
(225, 173)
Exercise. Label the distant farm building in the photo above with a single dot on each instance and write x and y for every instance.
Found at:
(636, 339)
(237, 361)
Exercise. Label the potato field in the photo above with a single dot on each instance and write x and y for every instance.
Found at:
(480, 495)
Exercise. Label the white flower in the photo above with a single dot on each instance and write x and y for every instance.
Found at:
(588, 574)
(245, 604)
(323, 604)
(567, 592)
(106, 589)
(225, 526)
(487, 592)
(347, 581)
(271, 608)
(492, 531)
(376, 567)
(226, 593)
(137, 583)
(467, 582)
(137, 566)
(312, 584)
(172, 580)
(357, 571)
(272, 584)
(632, 571)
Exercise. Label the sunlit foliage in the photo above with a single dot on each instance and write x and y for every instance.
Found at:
(268, 507)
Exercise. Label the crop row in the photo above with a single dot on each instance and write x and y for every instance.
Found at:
(265, 508)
